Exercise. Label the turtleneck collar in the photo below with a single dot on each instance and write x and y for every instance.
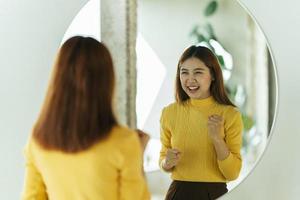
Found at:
(202, 102)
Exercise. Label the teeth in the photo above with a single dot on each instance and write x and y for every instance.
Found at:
(193, 88)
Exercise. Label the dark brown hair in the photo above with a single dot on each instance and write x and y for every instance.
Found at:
(217, 88)
(78, 111)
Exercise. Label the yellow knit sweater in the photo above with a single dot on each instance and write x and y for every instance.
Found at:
(184, 127)
(109, 170)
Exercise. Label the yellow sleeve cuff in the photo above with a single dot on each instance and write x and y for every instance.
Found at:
(227, 162)
(230, 167)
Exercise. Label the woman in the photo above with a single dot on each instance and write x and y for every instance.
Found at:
(201, 133)
(77, 149)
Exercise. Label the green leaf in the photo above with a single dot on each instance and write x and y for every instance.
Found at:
(211, 8)
(221, 60)
(200, 38)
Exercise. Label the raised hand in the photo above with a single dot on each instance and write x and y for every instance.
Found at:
(215, 126)
(144, 138)
(172, 159)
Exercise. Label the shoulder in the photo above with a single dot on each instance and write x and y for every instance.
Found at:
(232, 111)
(172, 108)
(33, 145)
(32, 149)
(124, 136)
(232, 115)
(168, 112)
(228, 110)
(125, 142)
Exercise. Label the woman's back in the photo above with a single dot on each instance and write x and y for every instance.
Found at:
(110, 169)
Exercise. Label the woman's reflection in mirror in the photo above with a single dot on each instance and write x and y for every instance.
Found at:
(201, 133)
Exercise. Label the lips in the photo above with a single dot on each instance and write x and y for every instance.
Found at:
(192, 88)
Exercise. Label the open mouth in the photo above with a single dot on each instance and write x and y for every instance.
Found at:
(192, 89)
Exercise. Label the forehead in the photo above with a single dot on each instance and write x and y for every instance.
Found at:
(193, 63)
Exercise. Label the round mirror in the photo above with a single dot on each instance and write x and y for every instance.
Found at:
(164, 30)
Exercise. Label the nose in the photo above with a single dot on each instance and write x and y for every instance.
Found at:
(191, 79)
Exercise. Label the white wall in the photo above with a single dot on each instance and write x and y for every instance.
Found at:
(30, 34)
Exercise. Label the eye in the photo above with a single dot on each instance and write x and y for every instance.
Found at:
(198, 72)
(183, 72)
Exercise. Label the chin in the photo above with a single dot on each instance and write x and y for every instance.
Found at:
(194, 96)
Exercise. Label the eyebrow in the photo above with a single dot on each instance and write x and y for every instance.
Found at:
(198, 68)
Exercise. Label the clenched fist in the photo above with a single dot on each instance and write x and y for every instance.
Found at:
(215, 126)
(172, 158)
(144, 138)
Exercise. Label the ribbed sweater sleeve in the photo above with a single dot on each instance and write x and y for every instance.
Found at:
(231, 166)
(34, 186)
(165, 137)
(132, 183)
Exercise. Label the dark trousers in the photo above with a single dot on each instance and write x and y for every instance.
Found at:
(185, 190)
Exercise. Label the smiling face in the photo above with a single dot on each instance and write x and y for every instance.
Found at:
(195, 78)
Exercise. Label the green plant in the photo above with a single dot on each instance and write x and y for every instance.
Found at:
(211, 8)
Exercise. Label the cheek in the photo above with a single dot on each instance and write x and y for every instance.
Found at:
(206, 80)
(182, 80)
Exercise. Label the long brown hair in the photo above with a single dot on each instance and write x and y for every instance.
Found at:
(217, 88)
(78, 111)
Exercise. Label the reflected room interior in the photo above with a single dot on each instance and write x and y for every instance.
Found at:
(224, 26)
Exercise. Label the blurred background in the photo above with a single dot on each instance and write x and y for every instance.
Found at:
(164, 30)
